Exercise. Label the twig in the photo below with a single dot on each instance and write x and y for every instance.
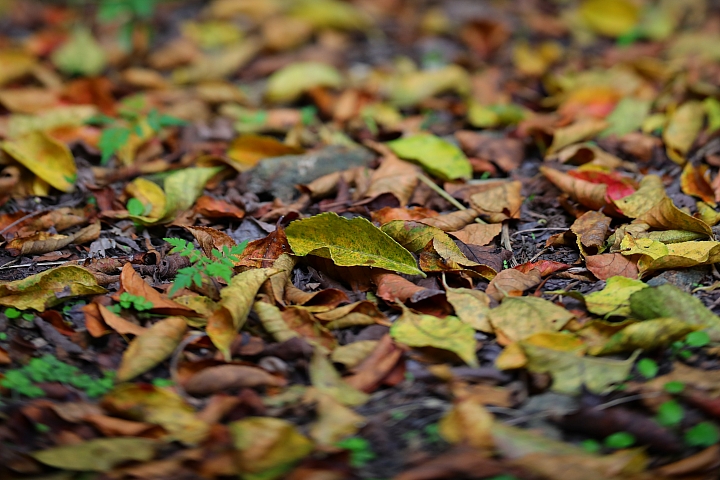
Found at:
(175, 360)
(444, 194)
(538, 230)
(505, 239)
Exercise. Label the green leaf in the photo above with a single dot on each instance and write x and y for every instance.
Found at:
(135, 207)
(614, 299)
(703, 434)
(697, 339)
(439, 157)
(355, 242)
(670, 413)
(289, 83)
(648, 368)
(12, 313)
(627, 116)
(170, 121)
(619, 440)
(674, 387)
(111, 140)
(81, 54)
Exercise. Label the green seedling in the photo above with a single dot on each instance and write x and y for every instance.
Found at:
(22, 381)
(683, 348)
(163, 382)
(704, 434)
(432, 433)
(128, 300)
(674, 387)
(619, 440)
(670, 413)
(360, 452)
(648, 368)
(13, 313)
(3, 336)
(591, 446)
(131, 121)
(220, 266)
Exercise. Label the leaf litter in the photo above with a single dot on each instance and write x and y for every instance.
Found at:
(359, 239)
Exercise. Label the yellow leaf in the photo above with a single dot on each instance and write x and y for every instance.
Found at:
(614, 299)
(612, 18)
(471, 306)
(47, 158)
(235, 304)
(408, 89)
(520, 317)
(468, 422)
(682, 130)
(289, 83)
(327, 380)
(99, 454)
(48, 288)
(647, 335)
(330, 14)
(584, 129)
(151, 347)
(268, 447)
(335, 421)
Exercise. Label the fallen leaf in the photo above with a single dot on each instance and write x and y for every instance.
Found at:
(471, 306)
(99, 454)
(512, 283)
(49, 288)
(151, 347)
(647, 335)
(133, 283)
(610, 265)
(335, 421)
(327, 380)
(349, 243)
(439, 157)
(226, 377)
(614, 299)
(519, 317)
(81, 54)
(682, 130)
(47, 158)
(469, 422)
(499, 202)
(449, 333)
(289, 83)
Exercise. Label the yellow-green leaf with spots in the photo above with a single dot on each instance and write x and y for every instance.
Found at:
(614, 299)
(355, 242)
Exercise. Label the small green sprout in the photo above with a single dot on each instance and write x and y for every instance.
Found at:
(360, 452)
(704, 434)
(648, 368)
(619, 440)
(674, 387)
(128, 300)
(670, 413)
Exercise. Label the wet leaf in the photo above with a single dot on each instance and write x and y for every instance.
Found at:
(349, 243)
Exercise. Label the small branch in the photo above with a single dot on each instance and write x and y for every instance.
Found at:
(427, 181)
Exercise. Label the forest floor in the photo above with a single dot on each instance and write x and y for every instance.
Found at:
(369, 239)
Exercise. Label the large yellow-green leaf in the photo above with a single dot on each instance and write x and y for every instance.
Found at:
(48, 288)
(63, 116)
(268, 447)
(355, 242)
(439, 157)
(236, 301)
(81, 54)
(646, 335)
(659, 256)
(99, 454)
(287, 84)
(668, 301)
(47, 158)
(519, 317)
(151, 347)
(409, 88)
(570, 370)
(449, 333)
(614, 299)
(471, 306)
(330, 14)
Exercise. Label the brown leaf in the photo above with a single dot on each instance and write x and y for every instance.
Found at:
(369, 374)
(591, 230)
(225, 377)
(151, 347)
(512, 283)
(393, 288)
(210, 238)
(329, 297)
(545, 267)
(478, 234)
(263, 252)
(507, 153)
(612, 264)
(394, 176)
(213, 208)
(133, 283)
(43, 242)
(449, 222)
(499, 202)
(388, 214)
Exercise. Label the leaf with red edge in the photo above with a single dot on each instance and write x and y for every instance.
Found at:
(545, 267)
(617, 186)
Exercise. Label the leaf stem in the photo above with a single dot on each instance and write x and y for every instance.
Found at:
(423, 178)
